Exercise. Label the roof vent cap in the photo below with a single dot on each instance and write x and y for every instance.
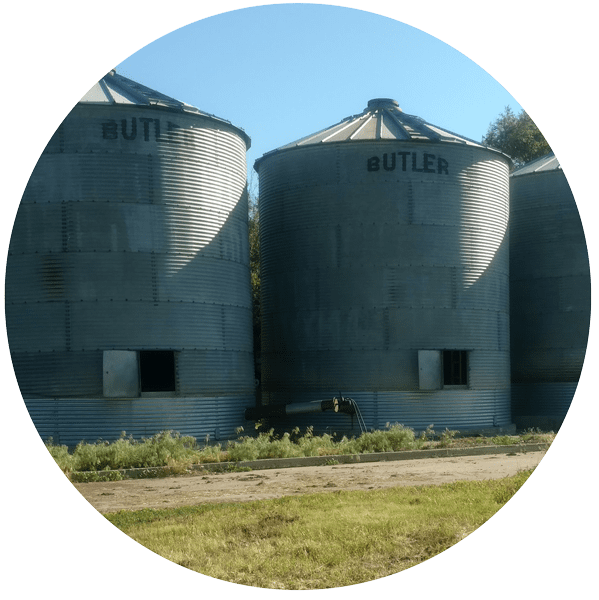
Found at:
(383, 103)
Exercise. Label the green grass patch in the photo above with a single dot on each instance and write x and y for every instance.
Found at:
(321, 540)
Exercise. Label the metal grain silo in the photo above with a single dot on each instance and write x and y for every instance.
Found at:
(550, 289)
(384, 265)
(127, 286)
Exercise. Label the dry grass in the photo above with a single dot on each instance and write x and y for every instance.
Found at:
(321, 540)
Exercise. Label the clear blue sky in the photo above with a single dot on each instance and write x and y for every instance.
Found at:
(281, 72)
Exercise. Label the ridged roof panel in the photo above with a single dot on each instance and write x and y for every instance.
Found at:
(548, 162)
(114, 89)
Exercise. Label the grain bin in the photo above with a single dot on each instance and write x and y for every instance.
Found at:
(550, 289)
(384, 264)
(128, 300)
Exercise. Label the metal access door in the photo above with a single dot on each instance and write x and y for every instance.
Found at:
(430, 372)
(121, 374)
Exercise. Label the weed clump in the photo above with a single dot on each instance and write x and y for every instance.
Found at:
(270, 445)
(162, 449)
(178, 453)
(289, 445)
(393, 438)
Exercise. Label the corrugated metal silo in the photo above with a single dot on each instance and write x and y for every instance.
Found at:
(384, 265)
(127, 286)
(550, 289)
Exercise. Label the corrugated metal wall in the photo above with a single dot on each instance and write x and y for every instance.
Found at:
(132, 234)
(71, 420)
(362, 269)
(550, 294)
(485, 410)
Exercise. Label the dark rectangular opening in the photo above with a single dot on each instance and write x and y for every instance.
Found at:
(455, 367)
(157, 370)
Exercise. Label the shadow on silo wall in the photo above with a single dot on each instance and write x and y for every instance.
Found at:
(550, 295)
(87, 273)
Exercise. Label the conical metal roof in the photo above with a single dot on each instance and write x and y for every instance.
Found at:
(382, 119)
(548, 162)
(114, 89)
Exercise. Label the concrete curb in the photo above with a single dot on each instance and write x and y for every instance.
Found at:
(315, 461)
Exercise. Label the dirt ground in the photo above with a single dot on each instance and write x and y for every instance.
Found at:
(186, 490)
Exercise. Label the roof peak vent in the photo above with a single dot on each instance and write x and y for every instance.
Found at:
(383, 103)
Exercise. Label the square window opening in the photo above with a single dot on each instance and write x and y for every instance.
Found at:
(455, 367)
(157, 370)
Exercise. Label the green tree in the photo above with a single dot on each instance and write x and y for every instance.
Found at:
(254, 234)
(517, 136)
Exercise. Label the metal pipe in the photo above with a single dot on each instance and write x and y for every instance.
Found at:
(300, 408)
(343, 405)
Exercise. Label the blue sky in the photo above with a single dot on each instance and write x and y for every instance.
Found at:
(281, 72)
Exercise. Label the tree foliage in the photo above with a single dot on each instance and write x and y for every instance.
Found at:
(517, 136)
(254, 234)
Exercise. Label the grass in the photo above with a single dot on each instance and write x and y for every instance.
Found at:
(321, 540)
(178, 453)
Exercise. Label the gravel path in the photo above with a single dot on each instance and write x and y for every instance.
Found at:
(186, 490)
